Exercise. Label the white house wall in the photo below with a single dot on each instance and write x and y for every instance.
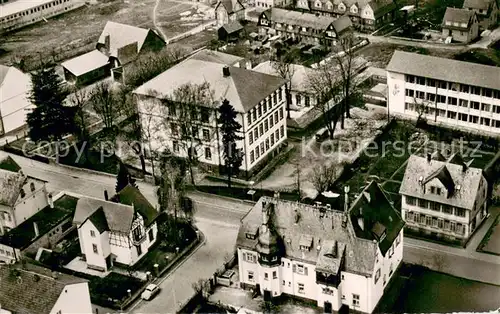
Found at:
(32, 203)
(86, 241)
(123, 253)
(14, 103)
(74, 298)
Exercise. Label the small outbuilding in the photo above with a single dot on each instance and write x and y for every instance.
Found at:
(230, 31)
(87, 68)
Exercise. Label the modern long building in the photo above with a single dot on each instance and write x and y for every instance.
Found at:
(335, 258)
(452, 93)
(443, 197)
(258, 99)
(16, 14)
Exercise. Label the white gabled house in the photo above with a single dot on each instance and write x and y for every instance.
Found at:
(338, 259)
(443, 197)
(21, 197)
(118, 231)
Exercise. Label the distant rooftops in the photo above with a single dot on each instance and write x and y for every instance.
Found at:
(445, 69)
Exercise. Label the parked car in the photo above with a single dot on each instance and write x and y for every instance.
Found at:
(322, 135)
(151, 291)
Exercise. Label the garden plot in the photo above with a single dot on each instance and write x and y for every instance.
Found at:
(309, 155)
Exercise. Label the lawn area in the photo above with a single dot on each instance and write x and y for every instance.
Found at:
(112, 289)
(164, 251)
(432, 292)
(491, 241)
(172, 23)
(73, 33)
(379, 160)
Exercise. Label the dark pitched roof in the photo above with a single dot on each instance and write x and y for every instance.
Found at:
(445, 69)
(381, 7)
(456, 159)
(130, 195)
(466, 182)
(9, 164)
(378, 215)
(26, 291)
(298, 223)
(477, 4)
(342, 24)
(243, 88)
(232, 27)
(460, 16)
(98, 219)
(118, 217)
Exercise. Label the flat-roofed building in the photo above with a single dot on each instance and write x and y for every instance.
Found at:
(86, 68)
(451, 93)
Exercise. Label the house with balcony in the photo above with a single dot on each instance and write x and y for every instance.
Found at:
(443, 197)
(118, 231)
(450, 93)
(365, 15)
(34, 289)
(488, 12)
(258, 99)
(306, 27)
(21, 197)
(460, 24)
(337, 259)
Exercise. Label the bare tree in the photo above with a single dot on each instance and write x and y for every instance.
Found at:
(105, 103)
(172, 189)
(323, 177)
(189, 108)
(79, 99)
(326, 86)
(345, 61)
(285, 69)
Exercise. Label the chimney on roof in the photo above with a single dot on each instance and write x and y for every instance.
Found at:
(35, 227)
(106, 196)
(346, 198)
(225, 71)
(429, 157)
(464, 167)
(335, 249)
(51, 201)
(107, 42)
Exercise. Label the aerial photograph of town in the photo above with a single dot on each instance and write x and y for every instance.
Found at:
(249, 156)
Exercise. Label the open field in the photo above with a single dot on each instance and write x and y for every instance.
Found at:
(171, 21)
(74, 33)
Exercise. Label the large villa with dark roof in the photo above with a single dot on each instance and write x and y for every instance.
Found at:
(118, 231)
(443, 197)
(338, 259)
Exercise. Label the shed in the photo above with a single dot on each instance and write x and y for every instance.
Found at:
(87, 68)
(230, 31)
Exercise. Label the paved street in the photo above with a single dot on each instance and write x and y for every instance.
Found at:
(218, 218)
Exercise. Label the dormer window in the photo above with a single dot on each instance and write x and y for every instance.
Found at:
(341, 7)
(464, 25)
(318, 4)
(250, 235)
(455, 24)
(435, 190)
(354, 9)
(305, 242)
(448, 23)
(329, 5)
